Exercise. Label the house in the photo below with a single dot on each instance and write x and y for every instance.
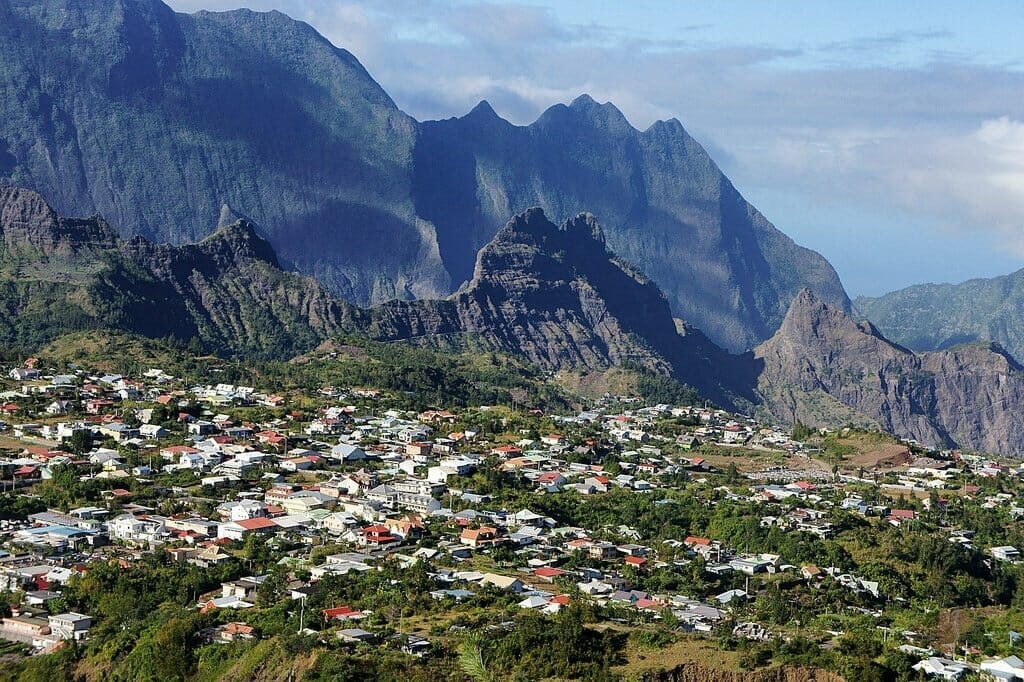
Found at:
(1010, 668)
(602, 550)
(480, 537)
(942, 668)
(24, 374)
(243, 588)
(342, 613)
(71, 625)
(344, 452)
(503, 582)
(812, 573)
(551, 480)
(137, 530)
(377, 536)
(154, 431)
(1006, 553)
(357, 636)
(419, 450)
(549, 574)
(237, 530)
(234, 632)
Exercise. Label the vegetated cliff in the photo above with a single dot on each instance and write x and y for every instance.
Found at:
(822, 367)
(158, 120)
(59, 275)
(936, 316)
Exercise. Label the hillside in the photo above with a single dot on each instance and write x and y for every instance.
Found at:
(824, 368)
(60, 275)
(162, 121)
(936, 316)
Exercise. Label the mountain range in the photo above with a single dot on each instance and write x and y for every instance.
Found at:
(936, 316)
(555, 295)
(163, 121)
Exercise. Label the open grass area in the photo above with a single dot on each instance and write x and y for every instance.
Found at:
(686, 650)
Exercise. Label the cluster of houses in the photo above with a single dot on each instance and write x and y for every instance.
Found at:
(397, 486)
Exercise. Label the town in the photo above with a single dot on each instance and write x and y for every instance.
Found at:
(343, 517)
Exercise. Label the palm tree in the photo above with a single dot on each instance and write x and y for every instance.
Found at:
(471, 659)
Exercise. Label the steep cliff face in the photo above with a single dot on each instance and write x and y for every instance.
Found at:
(157, 120)
(554, 294)
(822, 367)
(664, 203)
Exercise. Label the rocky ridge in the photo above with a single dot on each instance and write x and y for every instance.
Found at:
(561, 298)
(158, 120)
(59, 275)
(824, 368)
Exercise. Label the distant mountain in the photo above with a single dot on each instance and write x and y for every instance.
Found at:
(163, 121)
(823, 368)
(59, 275)
(936, 316)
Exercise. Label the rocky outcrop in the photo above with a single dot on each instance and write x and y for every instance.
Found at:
(561, 298)
(553, 294)
(824, 368)
(159, 120)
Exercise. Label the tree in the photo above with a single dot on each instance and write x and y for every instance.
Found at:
(801, 431)
(80, 441)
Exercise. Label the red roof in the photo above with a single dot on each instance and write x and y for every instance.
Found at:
(257, 523)
(635, 560)
(180, 450)
(340, 612)
(693, 540)
(548, 572)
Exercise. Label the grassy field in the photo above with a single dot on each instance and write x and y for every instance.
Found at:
(686, 650)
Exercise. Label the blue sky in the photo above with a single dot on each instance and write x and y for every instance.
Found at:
(887, 136)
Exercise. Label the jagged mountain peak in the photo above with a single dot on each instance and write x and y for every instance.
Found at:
(591, 108)
(534, 224)
(809, 316)
(228, 216)
(240, 241)
(584, 225)
(483, 111)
